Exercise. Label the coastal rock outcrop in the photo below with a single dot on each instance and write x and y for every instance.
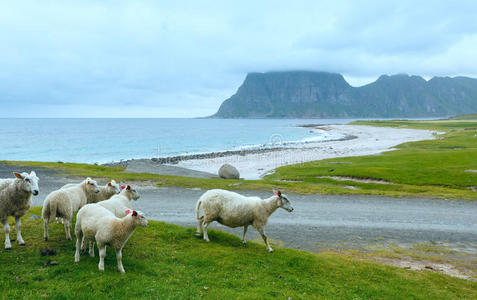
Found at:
(227, 171)
(304, 94)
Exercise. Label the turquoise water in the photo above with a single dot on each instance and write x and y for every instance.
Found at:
(107, 140)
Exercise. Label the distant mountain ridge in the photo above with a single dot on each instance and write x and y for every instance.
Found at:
(306, 94)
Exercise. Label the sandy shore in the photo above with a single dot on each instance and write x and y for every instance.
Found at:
(369, 140)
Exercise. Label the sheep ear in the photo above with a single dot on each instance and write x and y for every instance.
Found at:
(128, 187)
(18, 175)
(134, 213)
(32, 173)
(109, 184)
(278, 193)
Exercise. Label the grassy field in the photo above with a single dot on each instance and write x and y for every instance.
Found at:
(439, 167)
(436, 168)
(167, 261)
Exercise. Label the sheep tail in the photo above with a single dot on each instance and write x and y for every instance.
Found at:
(49, 210)
(197, 207)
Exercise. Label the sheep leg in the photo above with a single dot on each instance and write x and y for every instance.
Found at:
(46, 223)
(79, 238)
(199, 226)
(264, 237)
(119, 256)
(91, 248)
(67, 224)
(102, 255)
(204, 227)
(6, 228)
(18, 223)
(244, 233)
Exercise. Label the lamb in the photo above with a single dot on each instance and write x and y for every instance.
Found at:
(118, 204)
(96, 222)
(15, 196)
(234, 210)
(65, 202)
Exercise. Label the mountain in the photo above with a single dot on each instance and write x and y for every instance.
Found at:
(303, 94)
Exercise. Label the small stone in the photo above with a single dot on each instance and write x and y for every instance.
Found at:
(429, 267)
(44, 252)
(252, 278)
(206, 288)
(53, 263)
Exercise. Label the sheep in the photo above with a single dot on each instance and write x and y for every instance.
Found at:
(105, 192)
(119, 203)
(96, 222)
(234, 210)
(65, 202)
(15, 196)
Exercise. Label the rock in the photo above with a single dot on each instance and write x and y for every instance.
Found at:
(53, 263)
(228, 172)
(34, 217)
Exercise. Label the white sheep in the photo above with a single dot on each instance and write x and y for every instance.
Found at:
(15, 196)
(65, 202)
(234, 210)
(119, 203)
(97, 223)
(105, 192)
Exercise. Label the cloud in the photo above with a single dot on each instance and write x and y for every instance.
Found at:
(166, 59)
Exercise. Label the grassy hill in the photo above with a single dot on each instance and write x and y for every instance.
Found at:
(167, 261)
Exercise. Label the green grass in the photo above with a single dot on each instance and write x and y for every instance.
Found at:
(167, 261)
(433, 167)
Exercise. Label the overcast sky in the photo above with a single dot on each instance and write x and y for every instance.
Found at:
(183, 58)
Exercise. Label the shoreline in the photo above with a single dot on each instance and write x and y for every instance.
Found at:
(255, 163)
(174, 160)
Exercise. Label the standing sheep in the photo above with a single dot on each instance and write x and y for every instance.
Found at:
(119, 203)
(65, 202)
(96, 222)
(15, 196)
(105, 192)
(234, 210)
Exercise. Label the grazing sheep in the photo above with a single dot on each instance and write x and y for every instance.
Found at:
(234, 210)
(15, 195)
(65, 202)
(119, 203)
(97, 223)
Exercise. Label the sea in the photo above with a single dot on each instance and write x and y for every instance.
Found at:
(112, 140)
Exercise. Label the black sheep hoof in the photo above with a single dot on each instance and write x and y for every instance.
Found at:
(8, 248)
(46, 239)
(22, 244)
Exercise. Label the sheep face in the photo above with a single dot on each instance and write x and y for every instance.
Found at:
(114, 186)
(133, 194)
(283, 202)
(139, 218)
(92, 185)
(29, 182)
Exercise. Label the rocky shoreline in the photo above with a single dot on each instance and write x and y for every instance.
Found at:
(210, 155)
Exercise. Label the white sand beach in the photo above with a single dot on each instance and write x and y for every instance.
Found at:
(369, 140)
